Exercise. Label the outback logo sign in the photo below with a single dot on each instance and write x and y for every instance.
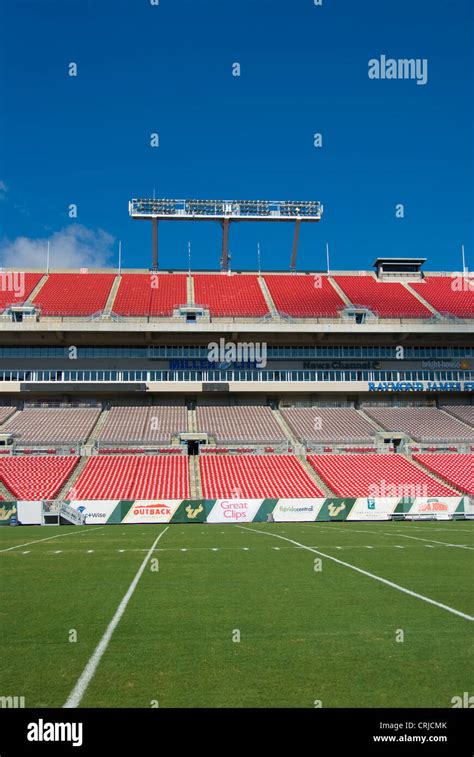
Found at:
(149, 511)
(158, 509)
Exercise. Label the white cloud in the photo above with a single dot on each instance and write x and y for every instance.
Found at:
(3, 190)
(75, 246)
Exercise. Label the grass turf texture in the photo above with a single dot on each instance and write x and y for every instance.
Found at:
(305, 635)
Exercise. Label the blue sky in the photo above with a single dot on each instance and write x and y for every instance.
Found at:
(168, 69)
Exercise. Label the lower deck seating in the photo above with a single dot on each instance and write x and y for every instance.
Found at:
(255, 477)
(35, 478)
(453, 468)
(384, 475)
(130, 477)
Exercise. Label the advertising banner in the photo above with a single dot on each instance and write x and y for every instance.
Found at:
(97, 511)
(369, 508)
(151, 511)
(234, 510)
(8, 512)
(440, 507)
(30, 513)
(297, 509)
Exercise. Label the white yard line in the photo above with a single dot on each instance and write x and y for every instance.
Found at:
(401, 535)
(366, 573)
(87, 674)
(47, 538)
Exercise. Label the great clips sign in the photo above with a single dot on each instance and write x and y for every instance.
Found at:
(234, 510)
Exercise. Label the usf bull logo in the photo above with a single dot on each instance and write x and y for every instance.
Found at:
(334, 510)
(193, 512)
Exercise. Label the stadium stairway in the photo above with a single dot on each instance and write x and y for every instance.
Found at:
(108, 309)
(37, 288)
(315, 476)
(190, 290)
(97, 427)
(434, 475)
(194, 477)
(420, 298)
(192, 421)
(11, 417)
(298, 448)
(5, 493)
(268, 298)
(300, 451)
(71, 480)
(340, 291)
(369, 419)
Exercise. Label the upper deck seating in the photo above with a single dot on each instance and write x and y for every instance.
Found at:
(311, 296)
(153, 294)
(449, 295)
(235, 295)
(79, 294)
(386, 299)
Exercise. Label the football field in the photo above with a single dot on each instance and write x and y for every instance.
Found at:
(256, 615)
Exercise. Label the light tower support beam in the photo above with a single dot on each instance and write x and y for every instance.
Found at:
(225, 245)
(154, 244)
(294, 249)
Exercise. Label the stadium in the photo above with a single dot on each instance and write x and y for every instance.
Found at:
(315, 427)
(236, 435)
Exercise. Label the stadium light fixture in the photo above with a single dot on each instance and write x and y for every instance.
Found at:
(225, 212)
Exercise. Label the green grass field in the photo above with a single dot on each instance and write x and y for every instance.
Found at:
(306, 635)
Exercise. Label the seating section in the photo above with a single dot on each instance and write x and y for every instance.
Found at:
(448, 295)
(143, 294)
(79, 294)
(328, 424)
(143, 424)
(35, 478)
(5, 412)
(257, 476)
(464, 413)
(386, 299)
(453, 468)
(130, 477)
(376, 475)
(251, 424)
(16, 287)
(304, 296)
(235, 295)
(427, 424)
(53, 425)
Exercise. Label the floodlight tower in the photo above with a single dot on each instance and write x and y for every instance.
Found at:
(225, 212)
